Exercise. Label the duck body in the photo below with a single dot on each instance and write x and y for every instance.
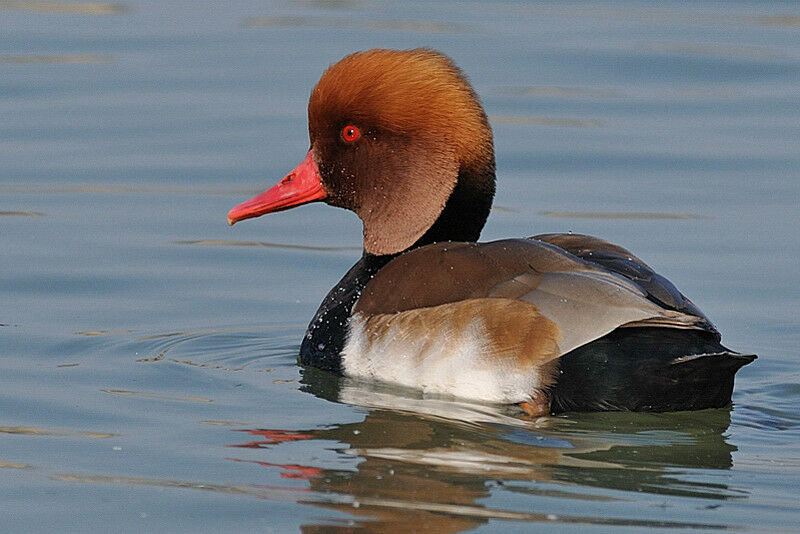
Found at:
(556, 322)
(473, 320)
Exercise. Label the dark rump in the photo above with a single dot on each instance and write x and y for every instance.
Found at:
(648, 369)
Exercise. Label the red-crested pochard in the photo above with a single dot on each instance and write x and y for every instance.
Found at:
(555, 322)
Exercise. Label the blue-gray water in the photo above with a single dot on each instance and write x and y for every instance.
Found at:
(147, 350)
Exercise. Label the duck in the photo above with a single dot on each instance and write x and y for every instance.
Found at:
(552, 323)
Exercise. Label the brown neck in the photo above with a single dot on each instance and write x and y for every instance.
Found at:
(467, 209)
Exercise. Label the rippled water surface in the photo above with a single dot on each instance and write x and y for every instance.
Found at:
(147, 350)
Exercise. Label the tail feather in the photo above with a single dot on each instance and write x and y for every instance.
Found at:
(712, 362)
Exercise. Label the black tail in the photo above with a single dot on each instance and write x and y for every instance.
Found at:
(647, 369)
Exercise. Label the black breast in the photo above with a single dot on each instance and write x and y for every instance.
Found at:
(324, 340)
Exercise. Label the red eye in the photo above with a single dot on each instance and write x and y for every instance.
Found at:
(350, 133)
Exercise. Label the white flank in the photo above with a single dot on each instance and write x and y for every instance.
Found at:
(447, 361)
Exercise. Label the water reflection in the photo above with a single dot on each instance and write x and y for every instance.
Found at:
(54, 432)
(83, 8)
(620, 215)
(27, 59)
(418, 459)
(566, 122)
(423, 26)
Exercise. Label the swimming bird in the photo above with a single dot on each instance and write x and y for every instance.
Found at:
(552, 323)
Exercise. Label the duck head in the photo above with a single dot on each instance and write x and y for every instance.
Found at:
(399, 138)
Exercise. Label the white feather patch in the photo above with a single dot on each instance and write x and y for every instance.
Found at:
(449, 360)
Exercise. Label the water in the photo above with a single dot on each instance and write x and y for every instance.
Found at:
(147, 350)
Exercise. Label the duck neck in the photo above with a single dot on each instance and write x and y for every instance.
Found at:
(467, 209)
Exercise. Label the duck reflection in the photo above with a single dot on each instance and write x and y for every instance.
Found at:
(433, 461)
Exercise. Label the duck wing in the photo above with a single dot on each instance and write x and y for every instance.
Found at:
(621, 261)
